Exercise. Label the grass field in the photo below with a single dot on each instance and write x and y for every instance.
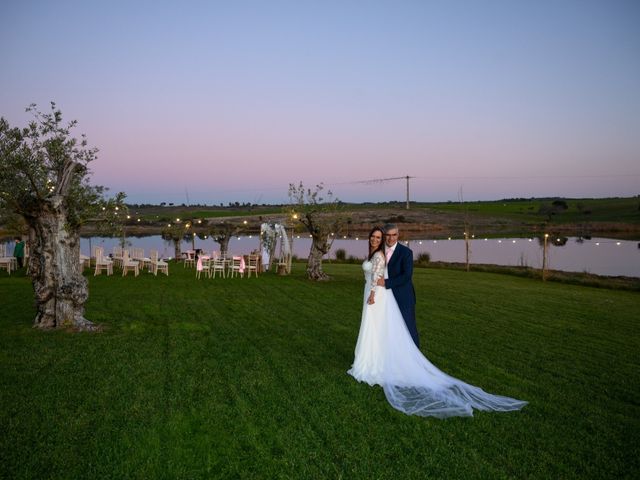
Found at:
(579, 210)
(622, 210)
(246, 378)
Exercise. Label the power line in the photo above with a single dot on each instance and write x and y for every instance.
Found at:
(485, 177)
(381, 180)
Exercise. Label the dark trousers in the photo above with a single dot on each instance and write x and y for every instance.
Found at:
(20, 261)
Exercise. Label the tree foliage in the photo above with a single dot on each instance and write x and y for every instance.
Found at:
(43, 161)
(222, 232)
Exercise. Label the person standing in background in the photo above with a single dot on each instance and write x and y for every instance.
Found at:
(18, 251)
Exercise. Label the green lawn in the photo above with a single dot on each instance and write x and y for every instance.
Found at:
(246, 378)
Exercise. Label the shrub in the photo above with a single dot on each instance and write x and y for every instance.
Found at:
(423, 259)
(341, 254)
(560, 205)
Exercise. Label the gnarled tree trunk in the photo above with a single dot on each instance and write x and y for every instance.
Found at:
(319, 248)
(54, 265)
(223, 241)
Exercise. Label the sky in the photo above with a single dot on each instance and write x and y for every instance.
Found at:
(221, 101)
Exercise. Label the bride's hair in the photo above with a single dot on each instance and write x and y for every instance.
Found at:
(381, 246)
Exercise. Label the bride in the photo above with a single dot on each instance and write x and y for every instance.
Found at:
(386, 355)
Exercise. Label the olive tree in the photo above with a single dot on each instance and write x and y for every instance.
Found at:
(222, 232)
(321, 218)
(45, 181)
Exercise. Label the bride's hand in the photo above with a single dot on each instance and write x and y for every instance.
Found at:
(371, 299)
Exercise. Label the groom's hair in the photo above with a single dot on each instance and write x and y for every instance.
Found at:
(390, 226)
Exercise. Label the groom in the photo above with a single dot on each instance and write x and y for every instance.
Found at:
(398, 278)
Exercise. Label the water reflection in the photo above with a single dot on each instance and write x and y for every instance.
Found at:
(602, 256)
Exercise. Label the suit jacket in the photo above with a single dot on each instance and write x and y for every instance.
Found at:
(400, 271)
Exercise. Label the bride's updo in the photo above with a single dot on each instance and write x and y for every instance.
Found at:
(381, 246)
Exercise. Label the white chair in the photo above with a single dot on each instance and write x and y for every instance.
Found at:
(226, 259)
(5, 262)
(102, 263)
(253, 265)
(129, 265)
(204, 265)
(137, 254)
(158, 265)
(146, 261)
(117, 256)
(189, 258)
(217, 265)
(236, 267)
(94, 254)
(85, 262)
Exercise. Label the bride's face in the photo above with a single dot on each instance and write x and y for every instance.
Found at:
(375, 239)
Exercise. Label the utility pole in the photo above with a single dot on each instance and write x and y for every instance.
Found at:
(544, 257)
(407, 192)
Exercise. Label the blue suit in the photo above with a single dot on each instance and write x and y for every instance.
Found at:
(400, 270)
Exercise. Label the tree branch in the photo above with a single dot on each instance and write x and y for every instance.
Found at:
(67, 175)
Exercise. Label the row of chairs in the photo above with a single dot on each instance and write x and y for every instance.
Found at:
(128, 263)
(232, 266)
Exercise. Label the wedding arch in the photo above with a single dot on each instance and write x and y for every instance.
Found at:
(272, 236)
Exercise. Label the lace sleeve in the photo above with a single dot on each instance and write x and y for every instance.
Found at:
(377, 269)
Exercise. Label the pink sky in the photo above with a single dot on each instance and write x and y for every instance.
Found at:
(223, 102)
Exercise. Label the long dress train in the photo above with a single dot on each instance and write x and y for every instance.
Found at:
(385, 355)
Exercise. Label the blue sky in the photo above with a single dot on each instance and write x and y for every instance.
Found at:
(232, 101)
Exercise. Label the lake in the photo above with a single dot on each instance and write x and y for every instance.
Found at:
(601, 256)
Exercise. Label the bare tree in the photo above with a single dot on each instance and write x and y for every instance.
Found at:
(45, 180)
(321, 218)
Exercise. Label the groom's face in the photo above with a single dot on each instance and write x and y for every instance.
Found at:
(391, 237)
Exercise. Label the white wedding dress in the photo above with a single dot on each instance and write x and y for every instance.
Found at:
(385, 355)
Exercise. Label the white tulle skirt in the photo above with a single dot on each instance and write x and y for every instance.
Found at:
(385, 355)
